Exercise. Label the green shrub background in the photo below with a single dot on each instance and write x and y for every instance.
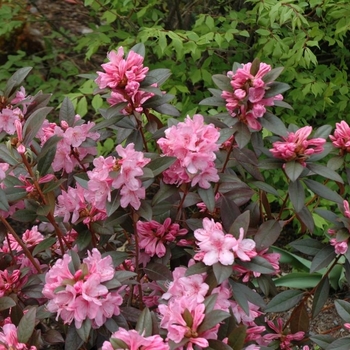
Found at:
(196, 39)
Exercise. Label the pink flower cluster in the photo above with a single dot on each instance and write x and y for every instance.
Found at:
(132, 340)
(123, 77)
(185, 310)
(71, 150)
(247, 101)
(342, 237)
(12, 278)
(9, 338)
(341, 137)
(73, 206)
(82, 295)
(216, 246)
(193, 144)
(154, 236)
(297, 147)
(123, 174)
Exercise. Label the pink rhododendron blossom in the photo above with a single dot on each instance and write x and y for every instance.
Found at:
(10, 282)
(123, 77)
(186, 286)
(121, 73)
(154, 236)
(297, 147)
(280, 334)
(80, 296)
(341, 137)
(247, 101)
(242, 317)
(9, 339)
(182, 319)
(8, 118)
(216, 246)
(193, 144)
(132, 340)
(70, 149)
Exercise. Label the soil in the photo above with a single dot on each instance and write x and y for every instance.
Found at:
(69, 18)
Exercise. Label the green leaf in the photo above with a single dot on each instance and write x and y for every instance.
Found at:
(323, 191)
(296, 194)
(218, 345)
(26, 325)
(257, 264)
(300, 280)
(196, 268)
(242, 221)
(46, 156)
(307, 246)
(292, 259)
(24, 215)
(67, 112)
(73, 340)
(267, 234)
(164, 192)
(33, 124)
(242, 294)
(276, 88)
(160, 164)
(157, 76)
(340, 344)
(284, 301)
(43, 245)
(158, 272)
(222, 82)
(84, 330)
(167, 109)
(265, 187)
(323, 340)
(343, 309)
(320, 296)
(212, 319)
(144, 323)
(274, 73)
(293, 170)
(213, 101)
(208, 197)
(221, 272)
(325, 172)
(306, 218)
(4, 204)
(270, 122)
(15, 80)
(6, 303)
(323, 258)
(139, 48)
(236, 338)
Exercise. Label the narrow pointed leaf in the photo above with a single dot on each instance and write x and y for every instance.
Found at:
(26, 325)
(323, 258)
(296, 194)
(6, 303)
(221, 272)
(284, 301)
(325, 172)
(323, 191)
(307, 246)
(208, 197)
(299, 319)
(84, 330)
(222, 82)
(144, 323)
(212, 319)
(67, 112)
(15, 80)
(274, 124)
(343, 309)
(43, 245)
(293, 170)
(320, 296)
(267, 234)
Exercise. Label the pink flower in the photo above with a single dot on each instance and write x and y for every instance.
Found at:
(9, 339)
(8, 117)
(341, 137)
(193, 144)
(246, 100)
(182, 319)
(154, 236)
(82, 295)
(121, 73)
(280, 334)
(189, 287)
(130, 165)
(297, 147)
(132, 340)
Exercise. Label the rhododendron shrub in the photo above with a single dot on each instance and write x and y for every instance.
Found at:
(172, 239)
